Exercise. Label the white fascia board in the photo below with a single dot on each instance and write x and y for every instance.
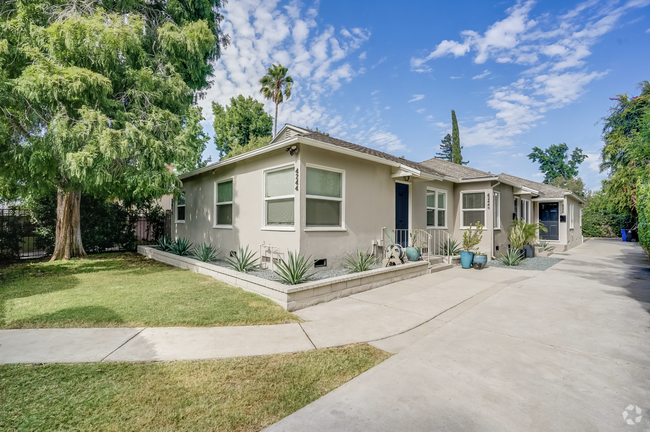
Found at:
(548, 199)
(477, 180)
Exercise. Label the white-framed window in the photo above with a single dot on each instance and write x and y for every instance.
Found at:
(436, 208)
(525, 211)
(223, 202)
(279, 197)
(472, 208)
(180, 207)
(571, 216)
(324, 197)
(496, 211)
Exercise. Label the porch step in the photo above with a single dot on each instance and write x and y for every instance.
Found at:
(436, 260)
(439, 267)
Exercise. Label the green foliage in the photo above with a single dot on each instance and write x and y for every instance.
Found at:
(236, 125)
(104, 224)
(511, 258)
(97, 96)
(601, 216)
(181, 247)
(295, 269)
(456, 156)
(164, 244)
(472, 237)
(446, 149)
(244, 260)
(546, 246)
(14, 227)
(253, 144)
(555, 162)
(359, 261)
(205, 252)
(450, 247)
(276, 86)
(575, 185)
(643, 208)
(516, 235)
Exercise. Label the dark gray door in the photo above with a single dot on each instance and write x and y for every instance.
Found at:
(401, 213)
(549, 216)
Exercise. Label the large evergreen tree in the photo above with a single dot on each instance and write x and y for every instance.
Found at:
(555, 162)
(446, 149)
(96, 97)
(456, 155)
(237, 124)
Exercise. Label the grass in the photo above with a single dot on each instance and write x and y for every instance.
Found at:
(240, 394)
(124, 290)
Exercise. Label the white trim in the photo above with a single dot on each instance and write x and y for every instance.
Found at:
(571, 216)
(496, 208)
(265, 199)
(340, 227)
(435, 209)
(484, 209)
(324, 229)
(410, 185)
(215, 203)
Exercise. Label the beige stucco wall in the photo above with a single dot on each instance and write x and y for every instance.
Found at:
(457, 233)
(507, 208)
(573, 236)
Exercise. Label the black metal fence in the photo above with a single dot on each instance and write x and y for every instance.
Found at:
(18, 231)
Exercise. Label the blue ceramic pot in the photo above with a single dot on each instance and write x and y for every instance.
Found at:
(413, 254)
(466, 259)
(480, 259)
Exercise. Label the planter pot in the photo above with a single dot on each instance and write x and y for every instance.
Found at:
(413, 254)
(480, 259)
(529, 251)
(466, 259)
(478, 266)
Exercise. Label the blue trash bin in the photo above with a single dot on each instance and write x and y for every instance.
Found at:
(623, 234)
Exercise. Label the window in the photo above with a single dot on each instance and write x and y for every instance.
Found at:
(223, 204)
(324, 198)
(516, 214)
(278, 197)
(496, 211)
(525, 211)
(571, 224)
(473, 208)
(180, 207)
(436, 208)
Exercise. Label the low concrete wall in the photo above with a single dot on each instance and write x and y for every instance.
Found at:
(294, 297)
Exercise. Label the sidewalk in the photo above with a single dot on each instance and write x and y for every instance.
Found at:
(377, 315)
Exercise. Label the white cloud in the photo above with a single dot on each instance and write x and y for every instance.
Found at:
(483, 75)
(593, 162)
(387, 108)
(374, 92)
(648, 31)
(538, 175)
(381, 60)
(362, 56)
(429, 117)
(417, 97)
(554, 50)
(420, 111)
(454, 77)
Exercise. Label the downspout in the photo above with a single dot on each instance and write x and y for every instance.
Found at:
(492, 236)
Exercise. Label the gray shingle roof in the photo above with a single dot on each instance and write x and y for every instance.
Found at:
(454, 170)
(546, 191)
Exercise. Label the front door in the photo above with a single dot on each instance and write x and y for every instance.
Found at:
(549, 216)
(401, 213)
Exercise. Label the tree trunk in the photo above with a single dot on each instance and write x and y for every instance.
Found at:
(275, 132)
(68, 226)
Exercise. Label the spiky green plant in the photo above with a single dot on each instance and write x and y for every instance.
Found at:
(164, 244)
(451, 245)
(511, 258)
(205, 252)
(359, 261)
(244, 260)
(546, 246)
(295, 269)
(181, 247)
(517, 236)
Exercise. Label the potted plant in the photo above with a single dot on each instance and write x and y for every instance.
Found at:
(517, 237)
(480, 260)
(413, 251)
(530, 235)
(471, 239)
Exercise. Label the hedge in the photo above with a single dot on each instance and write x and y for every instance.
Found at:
(598, 224)
(643, 210)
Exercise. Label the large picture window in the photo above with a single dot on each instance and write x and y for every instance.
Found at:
(472, 208)
(223, 206)
(278, 197)
(436, 209)
(180, 207)
(324, 198)
(496, 211)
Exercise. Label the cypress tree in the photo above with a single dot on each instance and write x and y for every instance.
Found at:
(456, 156)
(445, 149)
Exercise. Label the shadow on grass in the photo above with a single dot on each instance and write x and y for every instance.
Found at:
(71, 316)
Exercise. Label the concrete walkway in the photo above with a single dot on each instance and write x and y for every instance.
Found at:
(369, 316)
(565, 350)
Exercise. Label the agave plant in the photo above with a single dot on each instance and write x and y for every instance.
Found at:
(511, 258)
(164, 244)
(205, 252)
(546, 246)
(294, 270)
(359, 261)
(181, 247)
(452, 246)
(243, 260)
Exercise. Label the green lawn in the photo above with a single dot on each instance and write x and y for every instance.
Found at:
(240, 394)
(124, 290)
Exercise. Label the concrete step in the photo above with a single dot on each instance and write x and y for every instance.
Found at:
(439, 267)
(436, 260)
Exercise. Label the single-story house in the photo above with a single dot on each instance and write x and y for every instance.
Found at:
(325, 197)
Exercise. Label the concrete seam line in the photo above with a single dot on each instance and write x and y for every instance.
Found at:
(125, 342)
(310, 341)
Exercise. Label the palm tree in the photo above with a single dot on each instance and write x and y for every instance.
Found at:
(273, 83)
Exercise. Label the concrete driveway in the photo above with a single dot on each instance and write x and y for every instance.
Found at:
(567, 349)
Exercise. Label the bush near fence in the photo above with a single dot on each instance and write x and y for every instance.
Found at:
(643, 210)
(599, 224)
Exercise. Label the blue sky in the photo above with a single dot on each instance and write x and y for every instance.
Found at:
(386, 75)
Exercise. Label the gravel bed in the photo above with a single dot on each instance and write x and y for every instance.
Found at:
(270, 275)
(537, 263)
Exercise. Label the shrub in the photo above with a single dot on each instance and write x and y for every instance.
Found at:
(164, 244)
(546, 246)
(472, 237)
(294, 270)
(181, 247)
(511, 258)
(359, 261)
(205, 252)
(643, 210)
(243, 260)
(451, 245)
(517, 236)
